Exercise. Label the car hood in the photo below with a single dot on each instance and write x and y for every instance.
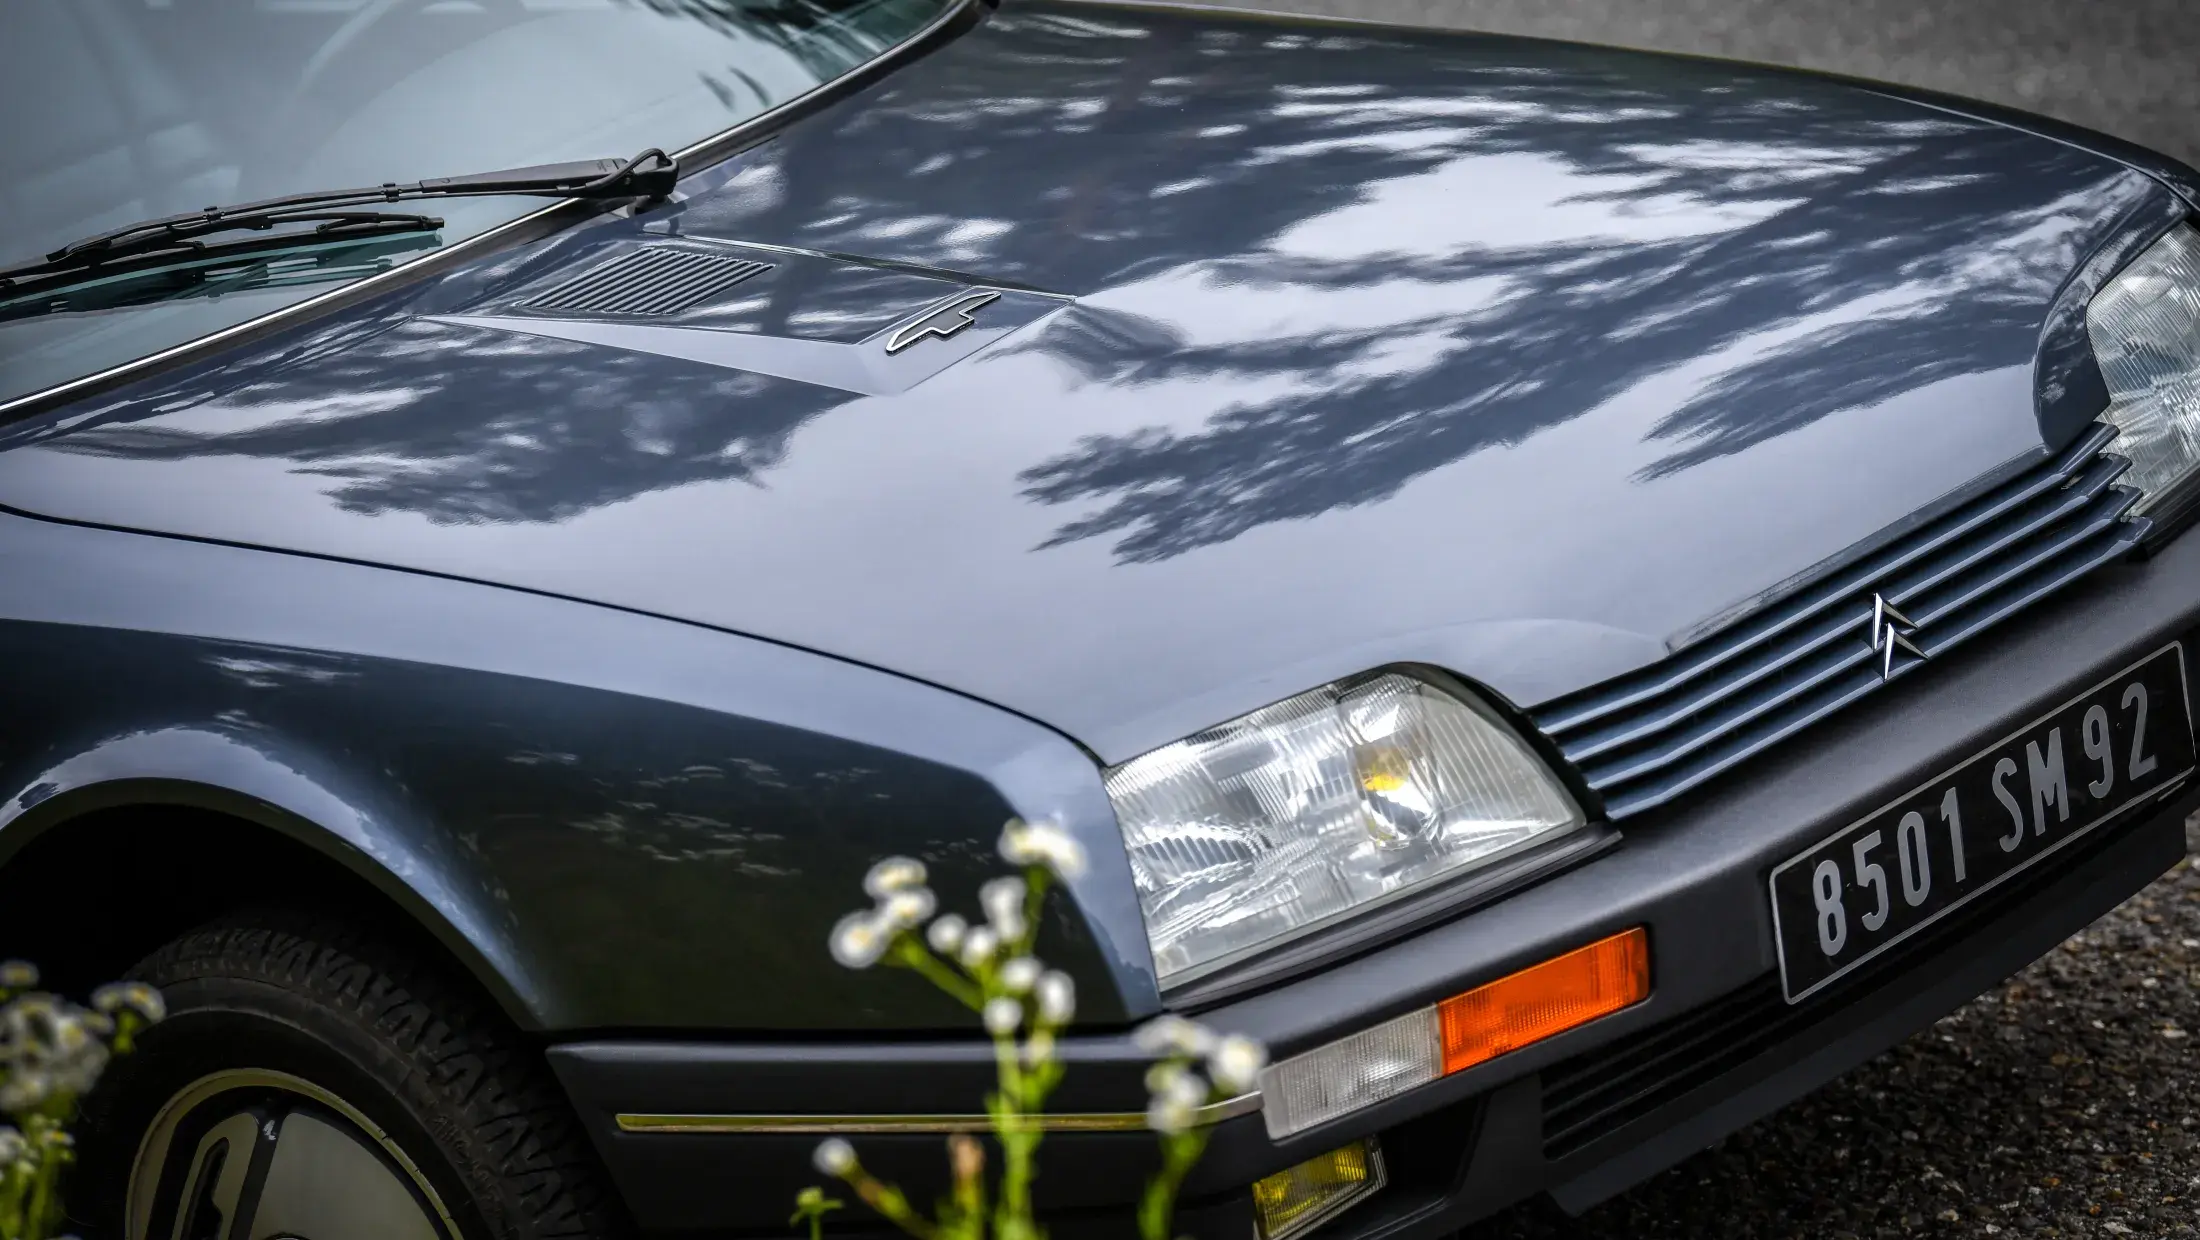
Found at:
(1315, 348)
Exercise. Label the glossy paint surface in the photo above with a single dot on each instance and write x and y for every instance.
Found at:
(617, 822)
(1513, 358)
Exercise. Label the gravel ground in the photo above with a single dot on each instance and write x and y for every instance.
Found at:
(2124, 66)
(2062, 1104)
(2065, 1103)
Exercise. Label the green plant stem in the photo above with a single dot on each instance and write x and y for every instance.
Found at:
(1157, 1208)
(966, 1165)
(1036, 879)
(1019, 1141)
(15, 1183)
(44, 1208)
(914, 956)
(890, 1203)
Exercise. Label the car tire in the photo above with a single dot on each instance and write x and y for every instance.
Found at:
(385, 1098)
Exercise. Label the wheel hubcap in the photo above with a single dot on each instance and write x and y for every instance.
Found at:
(253, 1155)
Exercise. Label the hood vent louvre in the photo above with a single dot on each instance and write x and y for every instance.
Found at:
(1645, 738)
(654, 280)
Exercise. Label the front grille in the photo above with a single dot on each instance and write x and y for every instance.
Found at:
(649, 281)
(1647, 737)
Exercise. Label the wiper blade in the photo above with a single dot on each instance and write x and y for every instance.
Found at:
(651, 174)
(156, 251)
(221, 269)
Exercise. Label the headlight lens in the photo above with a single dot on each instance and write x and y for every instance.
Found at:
(2145, 326)
(1300, 813)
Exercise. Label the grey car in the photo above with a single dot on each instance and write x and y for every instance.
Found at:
(1575, 595)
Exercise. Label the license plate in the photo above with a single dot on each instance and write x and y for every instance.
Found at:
(1860, 892)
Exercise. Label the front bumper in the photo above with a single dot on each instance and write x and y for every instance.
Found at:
(1581, 1115)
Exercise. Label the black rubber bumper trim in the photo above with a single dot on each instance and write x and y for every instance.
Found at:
(1862, 1027)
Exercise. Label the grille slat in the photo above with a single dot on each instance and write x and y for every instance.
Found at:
(654, 280)
(1650, 736)
(1676, 673)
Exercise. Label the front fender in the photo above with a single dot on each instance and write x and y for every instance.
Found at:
(207, 769)
(618, 821)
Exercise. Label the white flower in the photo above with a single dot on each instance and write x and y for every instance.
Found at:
(1018, 976)
(1235, 1063)
(1172, 1080)
(1002, 1015)
(137, 997)
(1167, 1115)
(26, 1088)
(859, 939)
(978, 947)
(1003, 902)
(906, 909)
(834, 1157)
(946, 933)
(1043, 843)
(18, 974)
(1056, 997)
(892, 875)
(48, 1049)
(1173, 1035)
(13, 1148)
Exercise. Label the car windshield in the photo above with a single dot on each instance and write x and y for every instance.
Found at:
(123, 110)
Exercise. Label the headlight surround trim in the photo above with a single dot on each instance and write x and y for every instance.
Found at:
(1342, 813)
(2143, 324)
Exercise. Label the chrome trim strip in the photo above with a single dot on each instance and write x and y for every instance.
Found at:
(1091, 1121)
(553, 218)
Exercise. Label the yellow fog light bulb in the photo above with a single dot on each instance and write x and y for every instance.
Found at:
(1295, 1201)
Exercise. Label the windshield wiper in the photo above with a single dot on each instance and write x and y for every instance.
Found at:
(651, 174)
(304, 261)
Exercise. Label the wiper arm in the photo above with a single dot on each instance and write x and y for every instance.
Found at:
(651, 174)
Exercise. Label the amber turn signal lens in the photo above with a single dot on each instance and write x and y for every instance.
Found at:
(1544, 999)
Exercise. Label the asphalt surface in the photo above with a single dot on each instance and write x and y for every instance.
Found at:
(2067, 1103)
(2130, 67)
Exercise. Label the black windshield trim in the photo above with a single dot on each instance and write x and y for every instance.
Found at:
(953, 21)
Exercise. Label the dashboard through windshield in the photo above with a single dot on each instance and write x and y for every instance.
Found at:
(131, 109)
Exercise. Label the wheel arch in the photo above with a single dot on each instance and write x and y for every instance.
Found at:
(106, 858)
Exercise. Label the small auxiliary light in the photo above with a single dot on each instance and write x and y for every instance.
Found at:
(1295, 1201)
(1521, 1008)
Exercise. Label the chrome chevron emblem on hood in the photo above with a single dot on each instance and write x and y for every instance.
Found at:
(943, 322)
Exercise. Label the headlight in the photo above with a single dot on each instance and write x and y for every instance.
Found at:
(1320, 806)
(2145, 326)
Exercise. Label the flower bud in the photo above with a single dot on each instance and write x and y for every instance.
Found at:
(978, 947)
(946, 932)
(1235, 1063)
(834, 1157)
(1173, 1035)
(1056, 997)
(1003, 902)
(859, 940)
(1018, 976)
(1170, 1116)
(891, 875)
(1043, 843)
(906, 909)
(1001, 1016)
